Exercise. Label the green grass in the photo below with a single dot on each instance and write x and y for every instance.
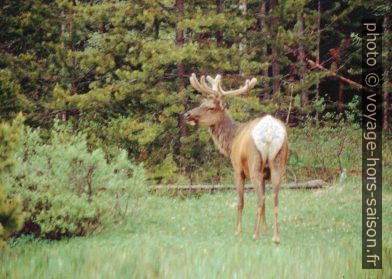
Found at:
(168, 237)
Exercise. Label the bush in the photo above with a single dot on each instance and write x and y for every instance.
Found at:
(69, 191)
(10, 213)
(324, 152)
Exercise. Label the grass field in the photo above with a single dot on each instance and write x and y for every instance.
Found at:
(168, 237)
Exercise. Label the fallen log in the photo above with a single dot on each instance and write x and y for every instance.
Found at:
(199, 188)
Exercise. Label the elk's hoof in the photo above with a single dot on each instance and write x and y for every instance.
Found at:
(276, 239)
(237, 233)
(255, 236)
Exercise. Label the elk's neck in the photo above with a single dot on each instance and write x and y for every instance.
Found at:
(223, 133)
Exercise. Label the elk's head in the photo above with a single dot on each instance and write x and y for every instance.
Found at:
(212, 109)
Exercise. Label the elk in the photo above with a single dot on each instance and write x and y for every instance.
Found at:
(258, 149)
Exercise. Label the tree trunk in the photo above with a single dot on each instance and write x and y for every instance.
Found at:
(318, 45)
(263, 24)
(340, 98)
(318, 50)
(71, 47)
(180, 65)
(62, 16)
(243, 8)
(219, 34)
(274, 51)
(157, 25)
(301, 60)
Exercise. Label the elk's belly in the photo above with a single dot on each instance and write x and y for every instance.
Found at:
(269, 135)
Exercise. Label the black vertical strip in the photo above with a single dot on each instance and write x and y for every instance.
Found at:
(372, 144)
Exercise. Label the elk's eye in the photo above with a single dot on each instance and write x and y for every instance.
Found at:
(210, 109)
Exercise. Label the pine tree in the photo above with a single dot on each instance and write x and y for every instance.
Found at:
(29, 32)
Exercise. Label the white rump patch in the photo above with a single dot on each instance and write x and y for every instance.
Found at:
(269, 135)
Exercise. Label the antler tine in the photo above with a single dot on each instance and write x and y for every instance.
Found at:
(202, 88)
(249, 84)
(195, 83)
(214, 82)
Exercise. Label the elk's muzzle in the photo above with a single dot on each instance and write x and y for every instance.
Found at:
(189, 119)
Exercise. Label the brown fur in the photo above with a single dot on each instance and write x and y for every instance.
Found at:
(223, 133)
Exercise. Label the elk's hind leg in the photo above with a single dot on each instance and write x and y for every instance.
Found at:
(239, 182)
(277, 173)
(263, 219)
(258, 183)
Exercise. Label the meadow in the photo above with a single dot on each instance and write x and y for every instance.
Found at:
(193, 237)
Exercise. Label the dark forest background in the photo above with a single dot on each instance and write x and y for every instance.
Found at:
(118, 70)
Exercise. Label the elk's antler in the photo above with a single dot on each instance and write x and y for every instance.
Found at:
(202, 86)
(249, 84)
(216, 89)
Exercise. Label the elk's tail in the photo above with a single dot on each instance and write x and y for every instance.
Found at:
(269, 135)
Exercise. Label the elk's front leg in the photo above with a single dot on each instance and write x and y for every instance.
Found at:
(239, 182)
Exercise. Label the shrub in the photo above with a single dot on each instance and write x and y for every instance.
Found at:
(69, 191)
(10, 213)
(324, 152)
